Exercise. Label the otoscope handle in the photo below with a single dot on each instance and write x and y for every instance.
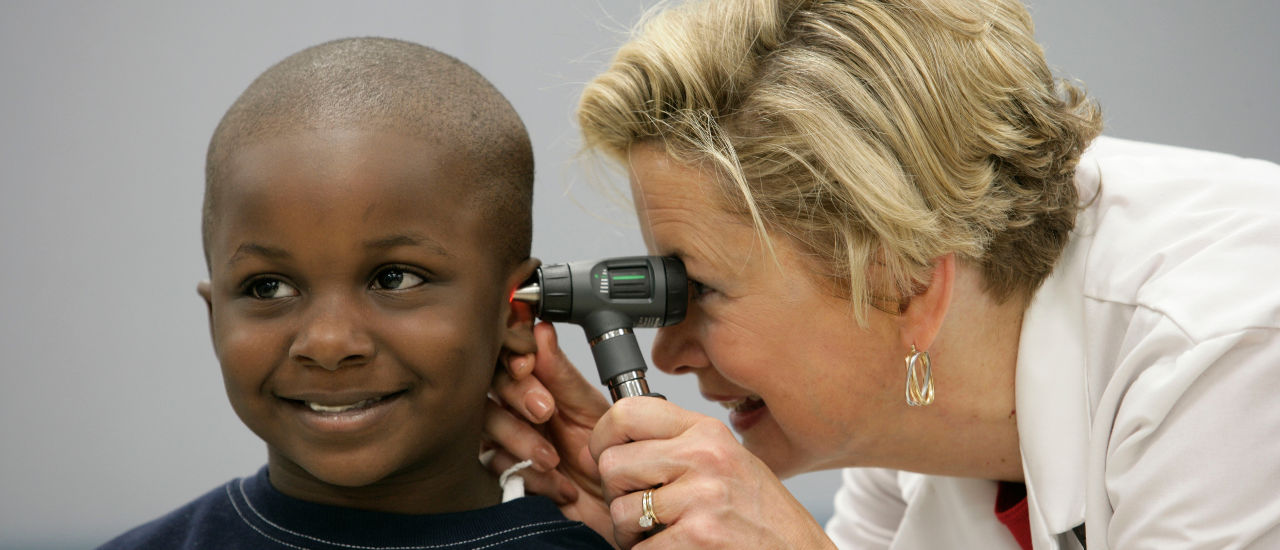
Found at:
(620, 364)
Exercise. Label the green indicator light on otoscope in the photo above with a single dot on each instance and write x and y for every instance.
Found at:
(627, 277)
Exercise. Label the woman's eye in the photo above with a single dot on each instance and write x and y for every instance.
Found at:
(394, 278)
(698, 290)
(269, 289)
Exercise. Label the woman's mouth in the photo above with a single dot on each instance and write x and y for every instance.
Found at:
(744, 404)
(745, 412)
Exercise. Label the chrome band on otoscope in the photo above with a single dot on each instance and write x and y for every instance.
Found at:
(631, 384)
(611, 334)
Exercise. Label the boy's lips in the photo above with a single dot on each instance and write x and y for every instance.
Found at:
(345, 398)
(342, 408)
(343, 411)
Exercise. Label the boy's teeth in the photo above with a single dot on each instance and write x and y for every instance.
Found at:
(341, 408)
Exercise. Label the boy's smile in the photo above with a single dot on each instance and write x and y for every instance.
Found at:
(358, 307)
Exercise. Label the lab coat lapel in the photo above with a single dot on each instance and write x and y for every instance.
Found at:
(1052, 393)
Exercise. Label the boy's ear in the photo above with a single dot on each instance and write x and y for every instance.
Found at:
(922, 317)
(205, 290)
(518, 335)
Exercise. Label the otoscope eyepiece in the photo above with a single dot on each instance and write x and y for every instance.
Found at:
(608, 298)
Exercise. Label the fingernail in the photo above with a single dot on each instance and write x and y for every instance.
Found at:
(538, 404)
(518, 365)
(545, 457)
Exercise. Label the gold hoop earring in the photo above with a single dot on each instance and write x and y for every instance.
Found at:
(919, 378)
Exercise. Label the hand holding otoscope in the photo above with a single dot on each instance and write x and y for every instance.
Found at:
(609, 298)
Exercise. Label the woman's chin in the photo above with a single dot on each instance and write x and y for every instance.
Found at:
(767, 442)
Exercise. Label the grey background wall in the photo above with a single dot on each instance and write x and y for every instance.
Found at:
(111, 405)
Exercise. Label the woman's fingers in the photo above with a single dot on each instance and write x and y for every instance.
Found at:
(543, 408)
(627, 512)
(573, 394)
(518, 438)
(521, 392)
(643, 442)
(640, 465)
(519, 366)
(642, 418)
(708, 491)
(534, 385)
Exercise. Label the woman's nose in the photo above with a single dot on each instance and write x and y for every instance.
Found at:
(333, 336)
(677, 349)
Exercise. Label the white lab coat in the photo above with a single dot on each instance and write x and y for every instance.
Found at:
(1147, 377)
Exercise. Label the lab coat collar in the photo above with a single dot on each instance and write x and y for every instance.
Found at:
(1052, 394)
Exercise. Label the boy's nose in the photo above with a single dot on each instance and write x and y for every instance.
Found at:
(332, 338)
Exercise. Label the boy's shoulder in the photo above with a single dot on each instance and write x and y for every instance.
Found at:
(248, 513)
(195, 525)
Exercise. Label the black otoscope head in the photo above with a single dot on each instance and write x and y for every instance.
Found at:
(608, 298)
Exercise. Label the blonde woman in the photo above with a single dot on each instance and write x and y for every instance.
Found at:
(915, 259)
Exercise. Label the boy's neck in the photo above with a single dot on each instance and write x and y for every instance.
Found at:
(470, 486)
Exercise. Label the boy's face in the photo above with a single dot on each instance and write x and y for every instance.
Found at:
(357, 306)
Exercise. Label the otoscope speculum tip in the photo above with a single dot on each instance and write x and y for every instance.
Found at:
(529, 294)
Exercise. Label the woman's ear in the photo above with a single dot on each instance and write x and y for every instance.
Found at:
(518, 334)
(922, 317)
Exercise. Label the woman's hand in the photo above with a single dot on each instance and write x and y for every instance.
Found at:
(710, 491)
(545, 411)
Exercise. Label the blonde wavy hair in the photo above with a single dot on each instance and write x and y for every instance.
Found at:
(878, 135)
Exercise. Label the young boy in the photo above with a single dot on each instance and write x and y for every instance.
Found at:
(367, 215)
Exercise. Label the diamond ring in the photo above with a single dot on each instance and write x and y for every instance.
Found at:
(647, 517)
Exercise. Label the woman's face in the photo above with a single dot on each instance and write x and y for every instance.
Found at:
(806, 386)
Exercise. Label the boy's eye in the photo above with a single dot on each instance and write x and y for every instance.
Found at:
(268, 289)
(394, 278)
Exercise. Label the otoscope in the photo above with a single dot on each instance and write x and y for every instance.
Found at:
(608, 298)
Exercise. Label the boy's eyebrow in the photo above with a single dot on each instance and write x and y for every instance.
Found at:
(384, 243)
(247, 249)
(407, 239)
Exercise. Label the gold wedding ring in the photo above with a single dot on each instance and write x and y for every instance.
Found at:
(647, 518)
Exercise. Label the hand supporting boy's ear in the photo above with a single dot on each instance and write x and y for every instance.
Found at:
(565, 429)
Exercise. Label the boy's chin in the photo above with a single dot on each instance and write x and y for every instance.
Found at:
(326, 473)
(347, 477)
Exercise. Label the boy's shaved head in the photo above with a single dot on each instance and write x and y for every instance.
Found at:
(400, 87)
